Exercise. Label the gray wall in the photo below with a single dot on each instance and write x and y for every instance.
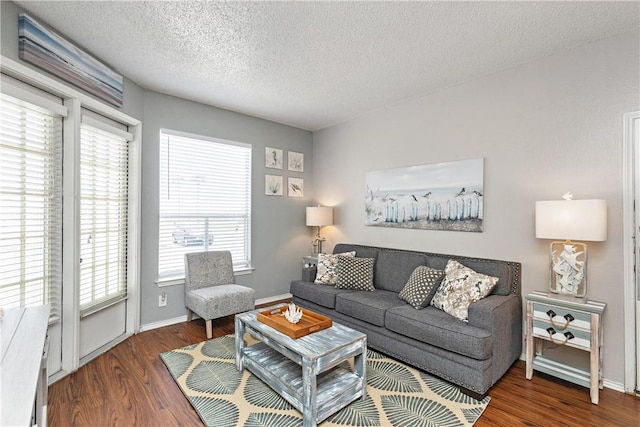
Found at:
(279, 235)
(543, 128)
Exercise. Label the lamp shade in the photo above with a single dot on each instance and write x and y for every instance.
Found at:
(319, 216)
(584, 220)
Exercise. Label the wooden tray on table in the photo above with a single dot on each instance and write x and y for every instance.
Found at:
(310, 322)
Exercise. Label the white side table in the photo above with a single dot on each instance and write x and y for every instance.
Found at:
(311, 260)
(565, 323)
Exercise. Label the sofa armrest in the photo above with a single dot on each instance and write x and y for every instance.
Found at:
(486, 312)
(309, 273)
(502, 316)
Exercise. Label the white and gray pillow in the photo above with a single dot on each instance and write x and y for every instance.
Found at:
(327, 265)
(460, 288)
(421, 286)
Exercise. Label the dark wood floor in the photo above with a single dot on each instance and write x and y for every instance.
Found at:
(130, 386)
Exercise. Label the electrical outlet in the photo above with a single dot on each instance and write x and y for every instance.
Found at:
(162, 300)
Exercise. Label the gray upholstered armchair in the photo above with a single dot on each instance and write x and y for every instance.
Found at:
(209, 290)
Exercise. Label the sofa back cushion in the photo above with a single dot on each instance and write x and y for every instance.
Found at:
(393, 268)
(508, 272)
(361, 251)
(499, 269)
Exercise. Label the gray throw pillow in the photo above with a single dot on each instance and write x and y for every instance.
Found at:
(421, 286)
(355, 273)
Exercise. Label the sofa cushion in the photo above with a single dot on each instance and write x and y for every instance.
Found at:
(421, 286)
(355, 273)
(327, 268)
(368, 306)
(460, 288)
(321, 295)
(499, 269)
(361, 251)
(393, 268)
(437, 328)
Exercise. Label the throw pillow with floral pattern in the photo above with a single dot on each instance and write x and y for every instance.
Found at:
(460, 288)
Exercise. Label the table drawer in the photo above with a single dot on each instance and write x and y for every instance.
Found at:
(561, 318)
(573, 337)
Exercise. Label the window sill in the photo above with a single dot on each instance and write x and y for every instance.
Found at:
(175, 281)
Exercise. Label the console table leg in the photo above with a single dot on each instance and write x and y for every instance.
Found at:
(595, 372)
(529, 344)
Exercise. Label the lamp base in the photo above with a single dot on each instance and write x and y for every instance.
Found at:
(568, 270)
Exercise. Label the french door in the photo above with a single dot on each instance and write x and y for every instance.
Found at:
(103, 231)
(69, 213)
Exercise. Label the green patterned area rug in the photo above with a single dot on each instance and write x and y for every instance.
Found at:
(397, 395)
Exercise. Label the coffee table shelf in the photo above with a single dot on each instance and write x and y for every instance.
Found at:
(280, 373)
(305, 371)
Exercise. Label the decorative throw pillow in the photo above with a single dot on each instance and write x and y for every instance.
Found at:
(355, 273)
(460, 288)
(421, 286)
(327, 264)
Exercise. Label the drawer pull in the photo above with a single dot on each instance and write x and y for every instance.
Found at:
(567, 336)
(567, 317)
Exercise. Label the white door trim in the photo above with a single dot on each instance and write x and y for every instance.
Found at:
(629, 166)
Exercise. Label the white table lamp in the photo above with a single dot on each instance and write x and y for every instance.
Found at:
(319, 216)
(569, 220)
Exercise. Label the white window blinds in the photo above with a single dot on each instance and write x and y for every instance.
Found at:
(30, 204)
(205, 200)
(104, 162)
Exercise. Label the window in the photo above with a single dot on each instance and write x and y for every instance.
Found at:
(104, 160)
(205, 200)
(30, 203)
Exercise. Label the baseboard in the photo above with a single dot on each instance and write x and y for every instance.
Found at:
(163, 323)
(269, 300)
(180, 319)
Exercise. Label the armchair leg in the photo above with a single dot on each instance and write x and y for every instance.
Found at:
(209, 329)
(189, 315)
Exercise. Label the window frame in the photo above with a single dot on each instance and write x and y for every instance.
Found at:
(245, 267)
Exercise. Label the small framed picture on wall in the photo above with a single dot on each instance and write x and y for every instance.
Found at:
(296, 187)
(273, 185)
(273, 158)
(295, 161)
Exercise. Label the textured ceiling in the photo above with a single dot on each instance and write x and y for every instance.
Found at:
(315, 64)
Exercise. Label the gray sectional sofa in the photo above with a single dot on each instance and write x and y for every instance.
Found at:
(473, 355)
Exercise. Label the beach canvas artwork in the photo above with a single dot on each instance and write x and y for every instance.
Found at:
(51, 52)
(439, 196)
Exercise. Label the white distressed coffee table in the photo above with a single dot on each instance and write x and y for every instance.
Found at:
(304, 371)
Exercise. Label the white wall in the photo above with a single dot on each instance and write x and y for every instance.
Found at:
(543, 128)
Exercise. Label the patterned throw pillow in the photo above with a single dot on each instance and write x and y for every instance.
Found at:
(460, 288)
(355, 273)
(327, 264)
(421, 286)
